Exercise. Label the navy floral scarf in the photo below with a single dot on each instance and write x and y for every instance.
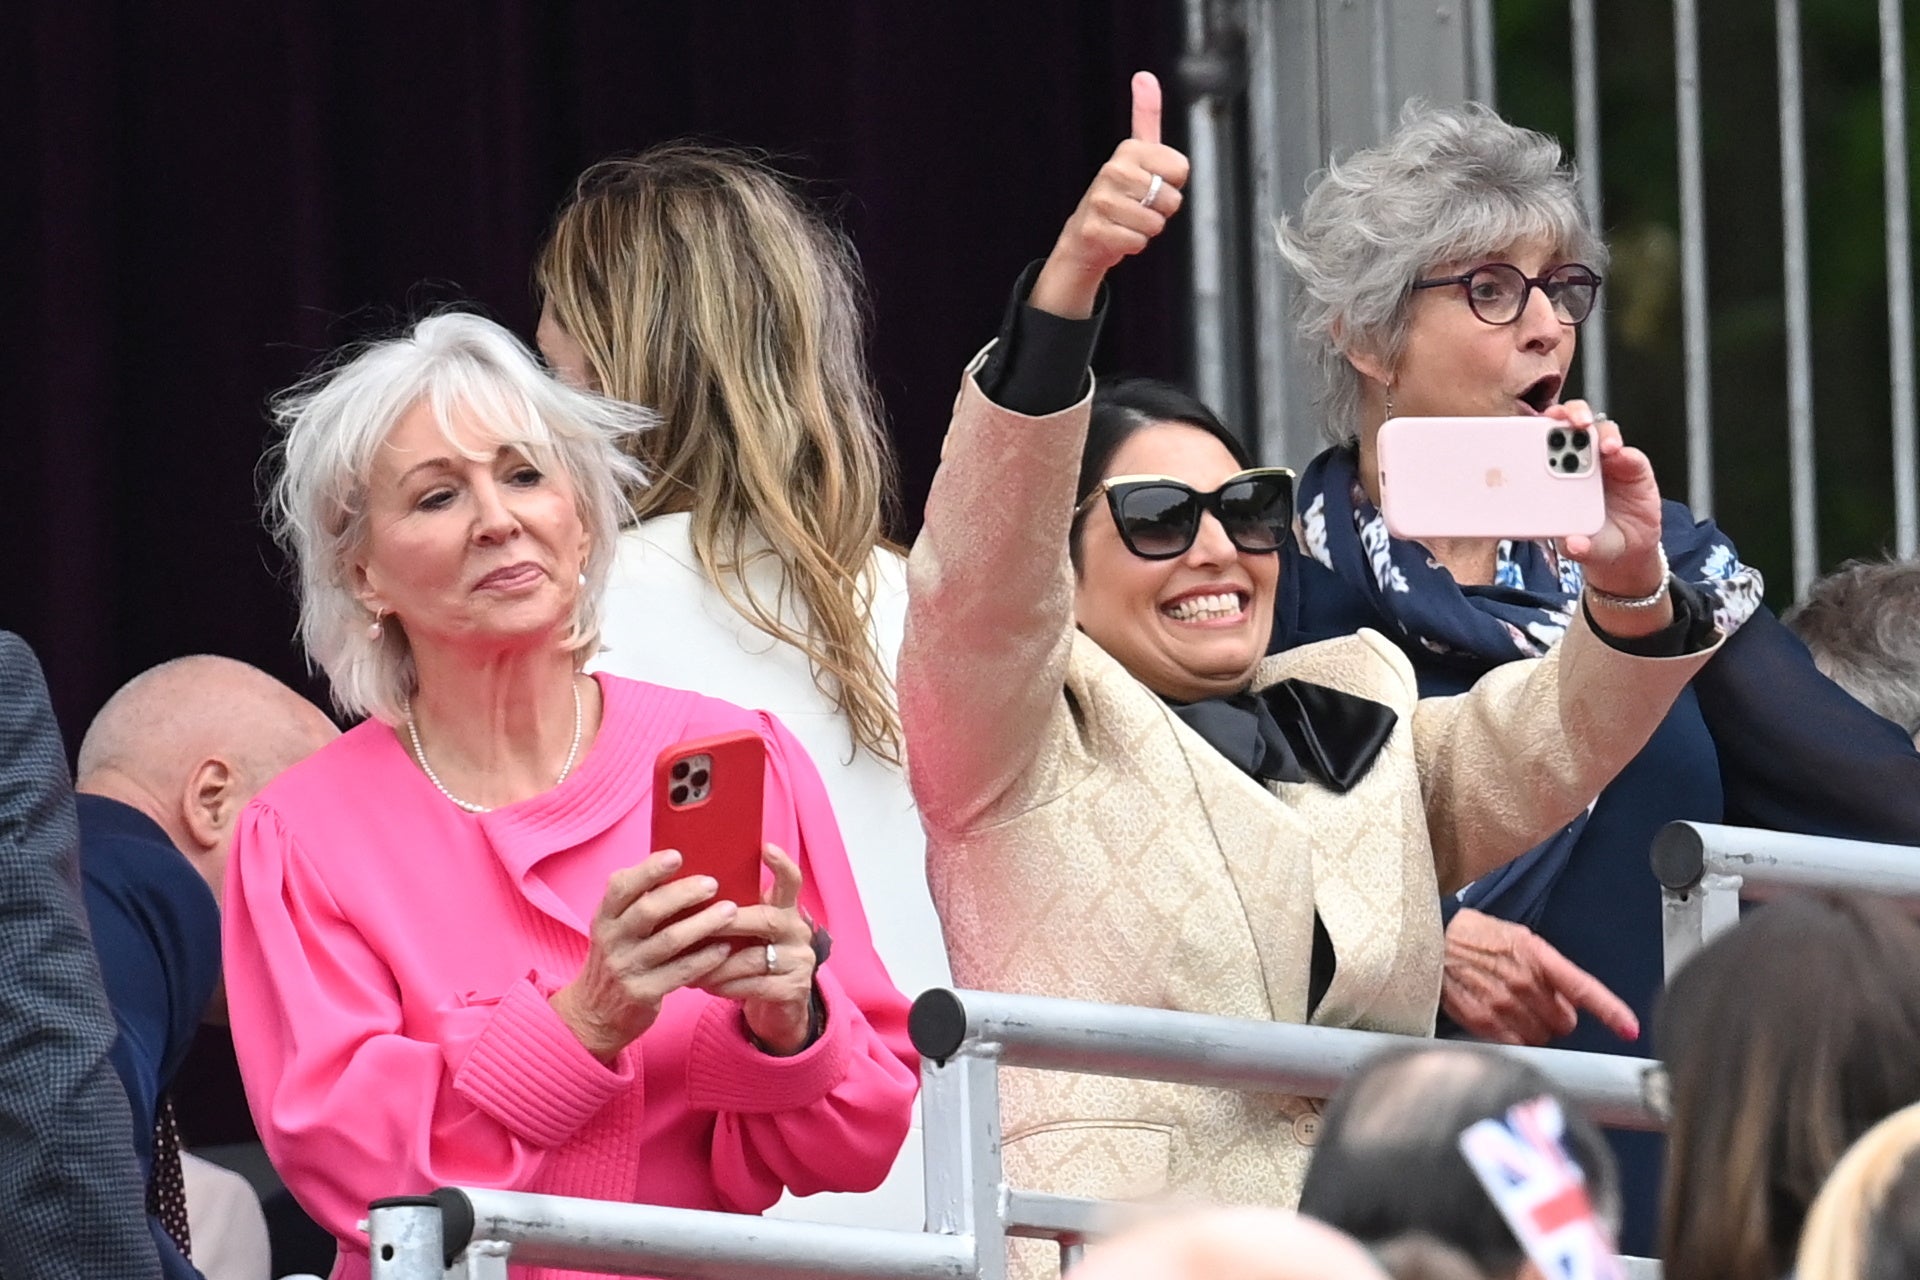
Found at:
(1523, 614)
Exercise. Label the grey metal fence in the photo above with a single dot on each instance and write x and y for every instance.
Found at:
(1705, 870)
(965, 1037)
(1278, 86)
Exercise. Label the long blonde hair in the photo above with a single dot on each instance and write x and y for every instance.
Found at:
(698, 283)
(1853, 1214)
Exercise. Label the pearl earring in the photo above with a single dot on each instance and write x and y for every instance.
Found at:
(1389, 400)
(374, 629)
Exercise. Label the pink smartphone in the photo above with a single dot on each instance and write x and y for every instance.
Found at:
(707, 796)
(1522, 477)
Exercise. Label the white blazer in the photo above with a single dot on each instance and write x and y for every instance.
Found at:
(666, 623)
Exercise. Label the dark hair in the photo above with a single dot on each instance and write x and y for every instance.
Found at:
(1785, 1040)
(1421, 1257)
(1121, 408)
(1388, 1161)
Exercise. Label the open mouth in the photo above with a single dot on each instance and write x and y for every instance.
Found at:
(1211, 606)
(1541, 394)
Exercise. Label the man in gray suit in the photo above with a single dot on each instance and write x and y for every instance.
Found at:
(71, 1202)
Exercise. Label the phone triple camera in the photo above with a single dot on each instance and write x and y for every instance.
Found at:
(692, 780)
(1570, 451)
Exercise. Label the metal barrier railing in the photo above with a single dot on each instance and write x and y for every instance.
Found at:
(1706, 869)
(965, 1037)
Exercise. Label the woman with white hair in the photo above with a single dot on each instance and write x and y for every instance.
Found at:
(453, 953)
(1446, 271)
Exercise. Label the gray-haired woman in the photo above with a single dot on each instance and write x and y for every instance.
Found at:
(451, 946)
(1446, 271)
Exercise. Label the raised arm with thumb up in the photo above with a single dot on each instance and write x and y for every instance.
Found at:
(1129, 203)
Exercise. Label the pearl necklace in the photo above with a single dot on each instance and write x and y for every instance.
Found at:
(420, 753)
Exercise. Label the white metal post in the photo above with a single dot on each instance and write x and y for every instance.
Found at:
(966, 1190)
(404, 1240)
(1691, 918)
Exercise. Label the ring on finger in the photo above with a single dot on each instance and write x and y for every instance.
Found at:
(773, 958)
(1153, 189)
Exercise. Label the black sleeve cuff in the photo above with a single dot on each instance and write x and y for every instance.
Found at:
(1690, 631)
(1039, 365)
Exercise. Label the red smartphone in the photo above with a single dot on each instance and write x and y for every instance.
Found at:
(1522, 477)
(707, 795)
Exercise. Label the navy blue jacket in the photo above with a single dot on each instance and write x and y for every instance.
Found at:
(156, 929)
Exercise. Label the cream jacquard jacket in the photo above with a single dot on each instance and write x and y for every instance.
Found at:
(1084, 843)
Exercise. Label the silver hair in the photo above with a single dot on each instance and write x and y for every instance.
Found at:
(1862, 623)
(334, 423)
(1448, 185)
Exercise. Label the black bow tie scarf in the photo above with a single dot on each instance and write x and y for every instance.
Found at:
(1294, 731)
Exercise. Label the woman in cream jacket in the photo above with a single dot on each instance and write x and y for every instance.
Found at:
(1086, 841)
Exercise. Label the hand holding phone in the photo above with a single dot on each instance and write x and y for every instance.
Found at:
(1515, 477)
(707, 801)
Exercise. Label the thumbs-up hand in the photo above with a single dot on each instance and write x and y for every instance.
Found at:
(1131, 198)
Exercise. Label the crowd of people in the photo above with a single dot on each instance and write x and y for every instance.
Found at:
(1135, 721)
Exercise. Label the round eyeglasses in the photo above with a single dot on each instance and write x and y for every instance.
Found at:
(1498, 291)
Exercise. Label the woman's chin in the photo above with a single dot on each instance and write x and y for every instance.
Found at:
(1223, 666)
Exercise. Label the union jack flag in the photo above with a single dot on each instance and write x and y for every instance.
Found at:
(1523, 1163)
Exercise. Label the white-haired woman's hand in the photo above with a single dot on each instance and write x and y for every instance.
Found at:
(1623, 559)
(773, 978)
(1129, 203)
(635, 958)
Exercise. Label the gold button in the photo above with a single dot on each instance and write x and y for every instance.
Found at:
(1306, 1129)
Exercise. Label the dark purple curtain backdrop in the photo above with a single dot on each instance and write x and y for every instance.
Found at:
(200, 198)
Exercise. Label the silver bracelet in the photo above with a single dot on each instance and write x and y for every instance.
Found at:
(1658, 594)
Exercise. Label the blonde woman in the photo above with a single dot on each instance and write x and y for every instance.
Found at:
(698, 283)
(1865, 1224)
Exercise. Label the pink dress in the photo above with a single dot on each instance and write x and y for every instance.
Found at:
(389, 958)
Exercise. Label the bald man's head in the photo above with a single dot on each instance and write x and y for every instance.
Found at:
(190, 741)
(1229, 1244)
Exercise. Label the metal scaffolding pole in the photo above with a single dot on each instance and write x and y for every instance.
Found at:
(1693, 256)
(1586, 149)
(1793, 225)
(1893, 128)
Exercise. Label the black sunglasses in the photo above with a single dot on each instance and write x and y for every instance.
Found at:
(1159, 517)
(1498, 291)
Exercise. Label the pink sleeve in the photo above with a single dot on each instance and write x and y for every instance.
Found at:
(348, 1104)
(833, 1117)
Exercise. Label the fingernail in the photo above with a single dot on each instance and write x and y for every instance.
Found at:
(728, 909)
(708, 886)
(670, 859)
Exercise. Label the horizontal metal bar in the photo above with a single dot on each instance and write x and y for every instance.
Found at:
(1037, 1215)
(1771, 860)
(654, 1240)
(1227, 1053)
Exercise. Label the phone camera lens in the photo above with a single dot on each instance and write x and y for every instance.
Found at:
(678, 795)
(679, 770)
(699, 779)
(1556, 439)
(1581, 439)
(1570, 463)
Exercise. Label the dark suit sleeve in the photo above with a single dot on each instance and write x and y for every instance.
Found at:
(1797, 752)
(71, 1203)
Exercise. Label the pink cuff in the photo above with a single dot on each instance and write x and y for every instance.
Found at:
(726, 1073)
(528, 1071)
